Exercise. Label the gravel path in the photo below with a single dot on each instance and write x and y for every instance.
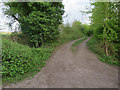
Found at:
(67, 69)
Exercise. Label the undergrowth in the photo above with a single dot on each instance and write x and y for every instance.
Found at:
(18, 60)
(94, 46)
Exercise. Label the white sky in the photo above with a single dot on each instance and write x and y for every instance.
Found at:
(72, 8)
(3, 20)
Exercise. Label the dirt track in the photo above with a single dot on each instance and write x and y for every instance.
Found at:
(67, 69)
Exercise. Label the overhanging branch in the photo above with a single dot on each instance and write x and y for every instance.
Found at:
(15, 17)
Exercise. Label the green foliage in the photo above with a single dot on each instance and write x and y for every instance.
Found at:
(76, 31)
(18, 59)
(38, 20)
(94, 46)
(68, 33)
(105, 26)
(109, 60)
(87, 30)
(97, 47)
(20, 38)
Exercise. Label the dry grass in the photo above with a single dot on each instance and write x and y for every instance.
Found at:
(5, 33)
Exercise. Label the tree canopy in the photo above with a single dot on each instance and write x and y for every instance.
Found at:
(106, 27)
(39, 20)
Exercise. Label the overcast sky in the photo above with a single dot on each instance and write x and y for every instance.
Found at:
(72, 9)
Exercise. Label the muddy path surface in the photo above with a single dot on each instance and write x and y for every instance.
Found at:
(67, 69)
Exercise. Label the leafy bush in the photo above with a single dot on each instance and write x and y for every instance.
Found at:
(18, 59)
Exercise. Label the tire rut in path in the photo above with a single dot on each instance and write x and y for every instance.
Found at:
(68, 70)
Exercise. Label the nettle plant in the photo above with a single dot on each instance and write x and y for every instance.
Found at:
(18, 59)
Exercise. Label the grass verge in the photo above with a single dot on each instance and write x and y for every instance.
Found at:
(94, 46)
(79, 41)
(75, 44)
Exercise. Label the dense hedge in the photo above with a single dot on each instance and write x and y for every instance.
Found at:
(19, 59)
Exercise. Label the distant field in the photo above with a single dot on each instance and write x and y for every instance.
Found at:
(5, 32)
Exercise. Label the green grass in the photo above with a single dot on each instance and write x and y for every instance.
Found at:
(75, 44)
(94, 46)
(79, 41)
